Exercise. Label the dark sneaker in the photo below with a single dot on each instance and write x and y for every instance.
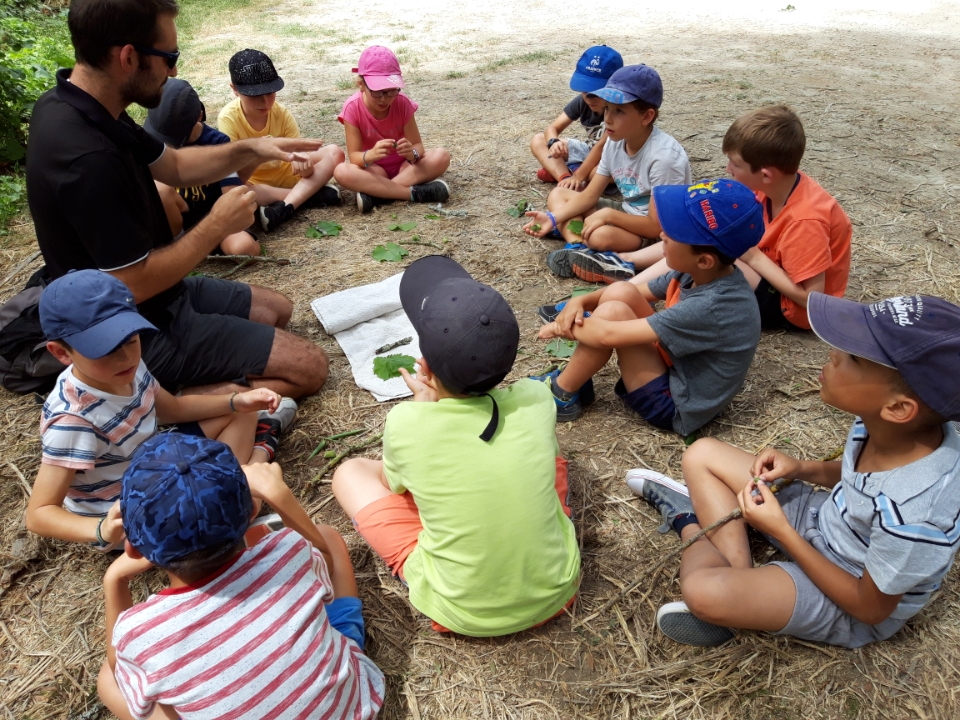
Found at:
(679, 624)
(270, 426)
(571, 407)
(327, 196)
(431, 192)
(274, 215)
(605, 267)
(559, 260)
(549, 313)
(366, 203)
(668, 496)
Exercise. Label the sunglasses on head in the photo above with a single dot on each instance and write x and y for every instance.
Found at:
(170, 57)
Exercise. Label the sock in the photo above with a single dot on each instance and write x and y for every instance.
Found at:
(682, 520)
(559, 392)
(268, 436)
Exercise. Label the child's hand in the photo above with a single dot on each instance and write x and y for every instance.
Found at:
(405, 147)
(259, 399)
(422, 389)
(549, 331)
(560, 150)
(381, 150)
(598, 219)
(124, 569)
(572, 183)
(265, 481)
(771, 465)
(541, 219)
(571, 315)
(111, 529)
(764, 512)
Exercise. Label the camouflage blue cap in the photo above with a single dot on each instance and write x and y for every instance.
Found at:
(181, 494)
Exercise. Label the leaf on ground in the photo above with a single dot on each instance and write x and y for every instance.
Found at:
(560, 348)
(405, 227)
(582, 290)
(391, 252)
(389, 366)
(324, 228)
(433, 217)
(575, 226)
(519, 209)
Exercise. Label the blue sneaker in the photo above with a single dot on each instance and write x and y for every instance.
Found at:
(549, 313)
(559, 260)
(571, 408)
(605, 267)
(669, 497)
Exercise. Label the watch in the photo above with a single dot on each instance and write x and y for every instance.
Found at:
(551, 141)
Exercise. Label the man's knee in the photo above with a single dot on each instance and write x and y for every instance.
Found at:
(269, 307)
(298, 362)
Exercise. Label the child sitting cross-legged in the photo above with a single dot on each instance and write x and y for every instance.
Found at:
(864, 557)
(281, 187)
(469, 505)
(386, 159)
(106, 404)
(248, 628)
(681, 366)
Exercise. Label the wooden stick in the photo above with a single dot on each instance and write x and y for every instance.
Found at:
(341, 455)
(19, 268)
(393, 345)
(250, 258)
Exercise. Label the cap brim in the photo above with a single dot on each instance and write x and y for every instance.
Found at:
(383, 82)
(586, 83)
(261, 89)
(175, 143)
(105, 337)
(420, 279)
(615, 96)
(672, 214)
(843, 324)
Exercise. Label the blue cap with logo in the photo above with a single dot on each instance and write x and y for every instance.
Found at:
(91, 311)
(183, 493)
(633, 82)
(721, 212)
(594, 68)
(918, 336)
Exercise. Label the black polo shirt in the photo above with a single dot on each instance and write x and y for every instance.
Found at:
(90, 190)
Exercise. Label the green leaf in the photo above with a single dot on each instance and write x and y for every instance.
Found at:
(575, 226)
(432, 217)
(560, 348)
(405, 227)
(389, 366)
(519, 209)
(582, 290)
(313, 233)
(391, 252)
(691, 438)
(536, 227)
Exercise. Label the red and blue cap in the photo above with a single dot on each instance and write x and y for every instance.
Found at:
(723, 213)
(918, 336)
(91, 311)
(594, 68)
(633, 82)
(183, 493)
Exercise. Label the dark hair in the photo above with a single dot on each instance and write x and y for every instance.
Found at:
(200, 563)
(642, 106)
(724, 259)
(929, 416)
(769, 137)
(96, 26)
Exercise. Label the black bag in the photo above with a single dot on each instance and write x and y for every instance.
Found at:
(25, 364)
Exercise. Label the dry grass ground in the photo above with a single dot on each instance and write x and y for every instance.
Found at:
(877, 94)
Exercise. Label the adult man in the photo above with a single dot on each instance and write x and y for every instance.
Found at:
(90, 186)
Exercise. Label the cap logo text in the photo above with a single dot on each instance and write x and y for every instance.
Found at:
(708, 214)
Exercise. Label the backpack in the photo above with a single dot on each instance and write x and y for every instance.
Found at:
(25, 364)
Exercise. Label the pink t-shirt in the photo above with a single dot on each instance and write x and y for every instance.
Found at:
(372, 130)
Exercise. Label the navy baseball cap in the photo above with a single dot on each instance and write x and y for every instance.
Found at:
(252, 73)
(467, 331)
(918, 336)
(183, 493)
(172, 121)
(594, 68)
(722, 213)
(633, 82)
(91, 311)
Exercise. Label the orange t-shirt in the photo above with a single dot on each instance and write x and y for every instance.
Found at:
(673, 297)
(811, 235)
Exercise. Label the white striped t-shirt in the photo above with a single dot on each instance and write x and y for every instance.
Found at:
(252, 641)
(96, 434)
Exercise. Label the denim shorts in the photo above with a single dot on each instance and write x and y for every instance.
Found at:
(653, 401)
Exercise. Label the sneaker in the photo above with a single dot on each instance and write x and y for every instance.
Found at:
(260, 528)
(549, 313)
(668, 496)
(431, 192)
(571, 408)
(270, 426)
(679, 624)
(559, 260)
(326, 196)
(366, 203)
(605, 267)
(274, 215)
(543, 175)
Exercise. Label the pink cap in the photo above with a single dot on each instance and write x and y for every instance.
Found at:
(379, 68)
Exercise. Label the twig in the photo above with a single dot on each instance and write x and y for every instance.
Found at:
(448, 213)
(240, 265)
(251, 258)
(393, 345)
(330, 438)
(420, 242)
(18, 268)
(341, 455)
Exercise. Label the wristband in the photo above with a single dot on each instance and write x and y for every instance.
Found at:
(232, 408)
(553, 220)
(416, 156)
(551, 141)
(569, 174)
(365, 163)
(100, 540)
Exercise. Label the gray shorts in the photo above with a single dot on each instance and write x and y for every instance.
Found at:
(815, 616)
(577, 151)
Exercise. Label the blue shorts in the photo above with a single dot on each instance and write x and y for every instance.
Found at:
(653, 402)
(345, 617)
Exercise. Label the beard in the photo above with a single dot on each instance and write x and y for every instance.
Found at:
(143, 89)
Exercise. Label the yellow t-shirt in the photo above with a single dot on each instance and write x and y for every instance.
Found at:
(280, 123)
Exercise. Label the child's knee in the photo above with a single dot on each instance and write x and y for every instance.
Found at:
(349, 471)
(709, 593)
(329, 152)
(614, 310)
(620, 291)
(440, 158)
(537, 142)
(697, 456)
(606, 238)
(558, 196)
(241, 243)
(333, 538)
(343, 172)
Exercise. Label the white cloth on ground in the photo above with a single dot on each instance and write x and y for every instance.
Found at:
(363, 319)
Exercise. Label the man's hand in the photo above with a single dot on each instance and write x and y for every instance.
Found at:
(560, 150)
(541, 219)
(259, 399)
(286, 149)
(771, 465)
(405, 148)
(598, 219)
(234, 210)
(422, 388)
(111, 529)
(303, 169)
(764, 512)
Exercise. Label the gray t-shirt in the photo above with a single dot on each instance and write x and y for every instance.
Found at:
(661, 161)
(592, 123)
(710, 335)
(902, 525)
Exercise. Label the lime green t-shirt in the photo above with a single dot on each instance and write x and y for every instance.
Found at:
(497, 554)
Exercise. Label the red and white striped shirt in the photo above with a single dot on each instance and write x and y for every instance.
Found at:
(251, 641)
